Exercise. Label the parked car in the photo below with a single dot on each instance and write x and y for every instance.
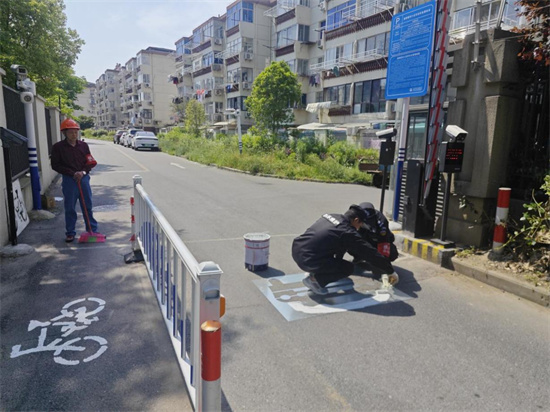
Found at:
(128, 140)
(122, 140)
(145, 140)
(116, 137)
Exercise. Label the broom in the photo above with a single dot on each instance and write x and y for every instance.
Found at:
(88, 237)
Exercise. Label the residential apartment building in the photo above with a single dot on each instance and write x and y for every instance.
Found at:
(218, 63)
(337, 48)
(107, 107)
(87, 101)
(138, 93)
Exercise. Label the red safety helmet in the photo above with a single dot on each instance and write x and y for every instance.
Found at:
(69, 124)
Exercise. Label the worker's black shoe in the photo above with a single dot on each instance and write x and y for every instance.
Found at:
(314, 286)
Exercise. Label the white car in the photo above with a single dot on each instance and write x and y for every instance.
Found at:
(129, 137)
(145, 140)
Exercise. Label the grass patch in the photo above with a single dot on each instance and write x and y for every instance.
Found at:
(302, 159)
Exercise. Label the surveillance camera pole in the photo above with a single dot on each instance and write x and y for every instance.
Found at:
(28, 93)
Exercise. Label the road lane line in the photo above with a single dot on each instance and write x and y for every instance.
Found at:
(145, 169)
(177, 165)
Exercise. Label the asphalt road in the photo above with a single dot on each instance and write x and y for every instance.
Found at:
(450, 343)
(455, 344)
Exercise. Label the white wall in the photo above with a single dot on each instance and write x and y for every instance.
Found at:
(47, 175)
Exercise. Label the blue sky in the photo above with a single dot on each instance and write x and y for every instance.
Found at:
(116, 30)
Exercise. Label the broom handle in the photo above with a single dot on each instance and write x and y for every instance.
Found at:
(84, 207)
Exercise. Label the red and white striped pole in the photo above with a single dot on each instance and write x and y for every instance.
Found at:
(211, 365)
(133, 238)
(503, 204)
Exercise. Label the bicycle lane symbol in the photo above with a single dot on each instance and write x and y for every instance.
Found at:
(74, 317)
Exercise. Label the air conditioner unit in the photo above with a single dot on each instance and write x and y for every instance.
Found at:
(322, 5)
(248, 56)
(217, 41)
(147, 121)
(246, 86)
(147, 85)
(150, 103)
(218, 92)
(216, 67)
(320, 43)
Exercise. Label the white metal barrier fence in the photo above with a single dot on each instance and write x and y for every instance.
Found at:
(188, 294)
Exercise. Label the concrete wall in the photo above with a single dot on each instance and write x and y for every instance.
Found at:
(488, 101)
(47, 175)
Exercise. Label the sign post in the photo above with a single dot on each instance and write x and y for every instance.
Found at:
(409, 59)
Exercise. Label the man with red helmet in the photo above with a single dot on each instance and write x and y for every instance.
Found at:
(71, 158)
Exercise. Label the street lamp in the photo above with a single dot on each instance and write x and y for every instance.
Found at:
(237, 114)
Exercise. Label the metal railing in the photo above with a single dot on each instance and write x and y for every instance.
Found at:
(188, 292)
(363, 56)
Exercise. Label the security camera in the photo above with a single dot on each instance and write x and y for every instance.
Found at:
(456, 133)
(386, 133)
(26, 97)
(19, 70)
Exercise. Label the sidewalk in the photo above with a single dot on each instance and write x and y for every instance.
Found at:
(128, 362)
(434, 253)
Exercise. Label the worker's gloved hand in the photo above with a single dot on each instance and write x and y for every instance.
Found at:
(393, 278)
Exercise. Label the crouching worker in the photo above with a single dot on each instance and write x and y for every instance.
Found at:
(321, 248)
(376, 231)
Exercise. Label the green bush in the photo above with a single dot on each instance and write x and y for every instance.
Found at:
(529, 241)
(304, 158)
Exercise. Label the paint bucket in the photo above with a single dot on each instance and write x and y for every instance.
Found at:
(256, 247)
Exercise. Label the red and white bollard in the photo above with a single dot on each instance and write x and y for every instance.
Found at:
(211, 365)
(503, 204)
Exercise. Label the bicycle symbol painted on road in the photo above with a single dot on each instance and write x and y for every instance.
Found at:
(75, 316)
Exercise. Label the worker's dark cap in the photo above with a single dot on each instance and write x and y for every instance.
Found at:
(360, 212)
(368, 208)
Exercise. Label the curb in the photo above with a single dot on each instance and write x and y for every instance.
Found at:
(437, 254)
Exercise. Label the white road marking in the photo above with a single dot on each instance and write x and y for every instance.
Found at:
(177, 165)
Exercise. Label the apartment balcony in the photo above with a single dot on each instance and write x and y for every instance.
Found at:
(458, 34)
(243, 53)
(284, 6)
(365, 56)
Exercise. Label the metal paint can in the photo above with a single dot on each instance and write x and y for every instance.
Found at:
(256, 246)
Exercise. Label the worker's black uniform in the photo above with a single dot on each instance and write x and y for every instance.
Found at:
(376, 230)
(321, 248)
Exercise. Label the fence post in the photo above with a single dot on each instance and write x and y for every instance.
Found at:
(211, 365)
(136, 255)
(209, 286)
(503, 204)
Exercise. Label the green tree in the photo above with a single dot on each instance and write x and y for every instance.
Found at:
(535, 38)
(195, 117)
(33, 33)
(85, 122)
(178, 109)
(274, 93)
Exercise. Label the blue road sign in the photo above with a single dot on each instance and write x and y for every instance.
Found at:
(409, 59)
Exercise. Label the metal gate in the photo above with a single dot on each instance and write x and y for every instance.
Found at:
(15, 120)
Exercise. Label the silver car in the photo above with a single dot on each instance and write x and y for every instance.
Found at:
(145, 140)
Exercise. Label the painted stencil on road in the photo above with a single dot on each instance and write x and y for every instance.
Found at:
(75, 316)
(294, 301)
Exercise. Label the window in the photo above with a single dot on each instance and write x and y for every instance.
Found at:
(303, 33)
(242, 11)
(368, 96)
(339, 16)
(338, 94)
(303, 67)
(286, 36)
